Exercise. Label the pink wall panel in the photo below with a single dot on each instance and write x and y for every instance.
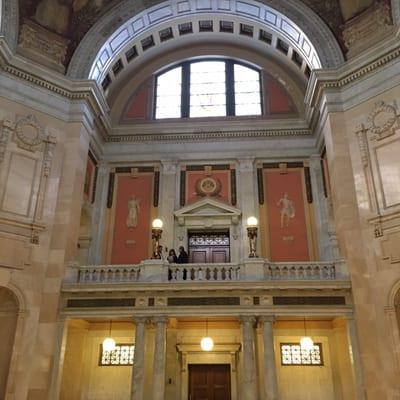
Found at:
(286, 216)
(132, 220)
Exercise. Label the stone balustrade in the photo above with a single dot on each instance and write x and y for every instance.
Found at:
(204, 272)
(108, 273)
(301, 271)
(249, 270)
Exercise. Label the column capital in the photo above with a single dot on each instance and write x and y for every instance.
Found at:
(140, 320)
(247, 319)
(169, 167)
(246, 164)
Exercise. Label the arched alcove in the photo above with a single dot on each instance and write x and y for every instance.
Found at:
(8, 323)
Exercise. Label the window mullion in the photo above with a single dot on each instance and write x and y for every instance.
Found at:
(230, 88)
(185, 94)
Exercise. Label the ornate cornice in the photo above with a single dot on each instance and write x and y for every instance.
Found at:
(210, 135)
(84, 90)
(350, 73)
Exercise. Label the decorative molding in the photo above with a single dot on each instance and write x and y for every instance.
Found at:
(210, 135)
(25, 141)
(43, 46)
(363, 144)
(367, 28)
(246, 165)
(383, 120)
(7, 128)
(34, 75)
(334, 80)
(307, 179)
(169, 167)
(260, 186)
(50, 143)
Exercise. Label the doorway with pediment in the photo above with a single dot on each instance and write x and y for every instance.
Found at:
(210, 230)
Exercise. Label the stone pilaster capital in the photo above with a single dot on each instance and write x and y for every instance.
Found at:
(140, 320)
(247, 319)
(169, 167)
(246, 164)
(103, 165)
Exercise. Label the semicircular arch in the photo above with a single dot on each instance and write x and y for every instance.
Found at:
(116, 30)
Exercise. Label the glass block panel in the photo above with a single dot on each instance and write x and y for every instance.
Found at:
(293, 354)
(122, 355)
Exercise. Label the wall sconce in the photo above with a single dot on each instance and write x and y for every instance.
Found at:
(156, 232)
(252, 228)
(306, 343)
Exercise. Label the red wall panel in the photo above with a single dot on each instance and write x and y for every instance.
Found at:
(288, 241)
(130, 243)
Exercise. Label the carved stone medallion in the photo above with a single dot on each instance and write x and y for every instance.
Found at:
(208, 186)
(382, 119)
(29, 133)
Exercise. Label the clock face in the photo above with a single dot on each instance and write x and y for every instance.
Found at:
(208, 186)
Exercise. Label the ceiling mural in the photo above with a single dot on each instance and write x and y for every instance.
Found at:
(72, 19)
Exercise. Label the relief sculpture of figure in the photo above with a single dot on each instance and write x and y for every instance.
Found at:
(287, 210)
(133, 212)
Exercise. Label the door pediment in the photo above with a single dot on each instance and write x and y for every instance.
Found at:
(208, 208)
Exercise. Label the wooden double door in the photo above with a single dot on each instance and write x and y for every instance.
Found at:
(209, 382)
(209, 247)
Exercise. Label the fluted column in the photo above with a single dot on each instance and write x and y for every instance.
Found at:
(270, 377)
(159, 358)
(137, 382)
(355, 359)
(249, 380)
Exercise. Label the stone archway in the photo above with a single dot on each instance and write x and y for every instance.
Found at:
(116, 25)
(8, 323)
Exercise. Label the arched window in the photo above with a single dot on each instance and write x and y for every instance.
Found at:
(208, 88)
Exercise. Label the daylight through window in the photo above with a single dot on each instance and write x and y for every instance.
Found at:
(209, 88)
(122, 355)
(293, 354)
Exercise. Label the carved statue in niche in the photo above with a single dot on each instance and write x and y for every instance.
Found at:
(287, 210)
(133, 212)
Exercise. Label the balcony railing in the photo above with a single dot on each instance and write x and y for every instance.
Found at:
(204, 272)
(301, 271)
(158, 271)
(108, 273)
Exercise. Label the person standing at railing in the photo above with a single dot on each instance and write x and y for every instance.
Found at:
(172, 258)
(183, 257)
